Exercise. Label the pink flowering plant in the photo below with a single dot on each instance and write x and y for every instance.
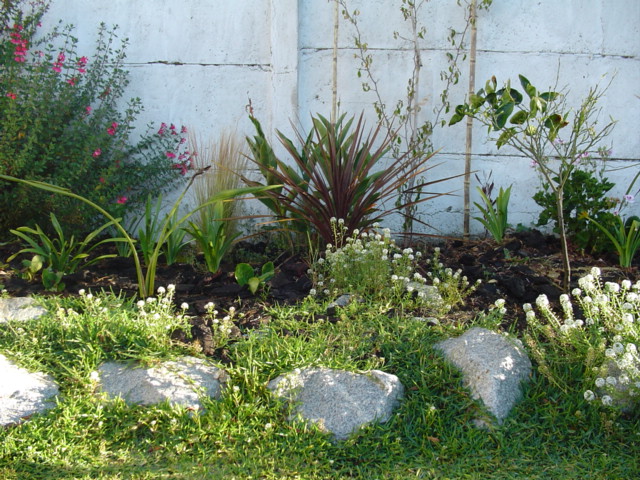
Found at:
(61, 122)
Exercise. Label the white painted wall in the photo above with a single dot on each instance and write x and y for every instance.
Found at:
(198, 62)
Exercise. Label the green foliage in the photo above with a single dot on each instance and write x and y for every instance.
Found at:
(532, 125)
(584, 197)
(495, 213)
(61, 123)
(337, 174)
(62, 255)
(625, 237)
(245, 275)
(213, 239)
(600, 350)
(146, 279)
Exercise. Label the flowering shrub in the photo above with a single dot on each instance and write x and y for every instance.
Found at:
(60, 122)
(371, 265)
(604, 342)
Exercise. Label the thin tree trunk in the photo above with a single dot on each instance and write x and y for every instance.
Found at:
(566, 265)
(467, 158)
(334, 80)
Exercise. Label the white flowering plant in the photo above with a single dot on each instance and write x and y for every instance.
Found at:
(603, 344)
(371, 265)
(221, 328)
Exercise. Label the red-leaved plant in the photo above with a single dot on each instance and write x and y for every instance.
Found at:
(337, 173)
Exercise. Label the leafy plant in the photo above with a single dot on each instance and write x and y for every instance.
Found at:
(175, 243)
(245, 275)
(61, 255)
(212, 239)
(584, 197)
(150, 231)
(61, 122)
(494, 213)
(625, 237)
(533, 128)
(224, 156)
(338, 174)
(601, 348)
(405, 119)
(146, 278)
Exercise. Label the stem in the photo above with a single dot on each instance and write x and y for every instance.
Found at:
(469, 140)
(563, 242)
(334, 89)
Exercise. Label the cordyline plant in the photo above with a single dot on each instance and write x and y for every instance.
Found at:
(533, 128)
(337, 173)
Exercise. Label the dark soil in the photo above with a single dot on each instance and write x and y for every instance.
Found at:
(526, 265)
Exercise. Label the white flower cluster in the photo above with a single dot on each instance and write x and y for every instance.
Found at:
(367, 263)
(220, 327)
(611, 329)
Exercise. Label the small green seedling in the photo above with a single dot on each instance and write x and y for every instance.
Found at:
(245, 275)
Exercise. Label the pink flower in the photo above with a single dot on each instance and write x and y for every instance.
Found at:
(112, 129)
(96, 153)
(121, 200)
(171, 155)
(629, 198)
(183, 140)
(183, 129)
(12, 95)
(83, 61)
(101, 179)
(88, 109)
(71, 81)
(182, 167)
(161, 130)
(61, 57)
(56, 68)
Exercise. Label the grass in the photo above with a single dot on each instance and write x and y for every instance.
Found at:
(246, 435)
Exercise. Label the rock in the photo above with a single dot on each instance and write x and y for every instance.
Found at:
(177, 382)
(340, 302)
(339, 402)
(492, 366)
(23, 393)
(19, 309)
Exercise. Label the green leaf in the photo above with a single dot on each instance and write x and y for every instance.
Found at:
(519, 117)
(268, 271)
(253, 284)
(455, 119)
(476, 100)
(504, 138)
(549, 96)
(244, 272)
(555, 122)
(502, 115)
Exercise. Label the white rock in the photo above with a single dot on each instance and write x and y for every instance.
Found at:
(180, 383)
(339, 402)
(492, 366)
(19, 309)
(23, 393)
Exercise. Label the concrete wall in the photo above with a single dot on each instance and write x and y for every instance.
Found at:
(198, 62)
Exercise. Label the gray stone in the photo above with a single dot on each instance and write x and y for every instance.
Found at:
(340, 302)
(492, 366)
(181, 382)
(23, 393)
(19, 309)
(339, 402)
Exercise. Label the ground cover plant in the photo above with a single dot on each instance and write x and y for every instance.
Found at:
(246, 433)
